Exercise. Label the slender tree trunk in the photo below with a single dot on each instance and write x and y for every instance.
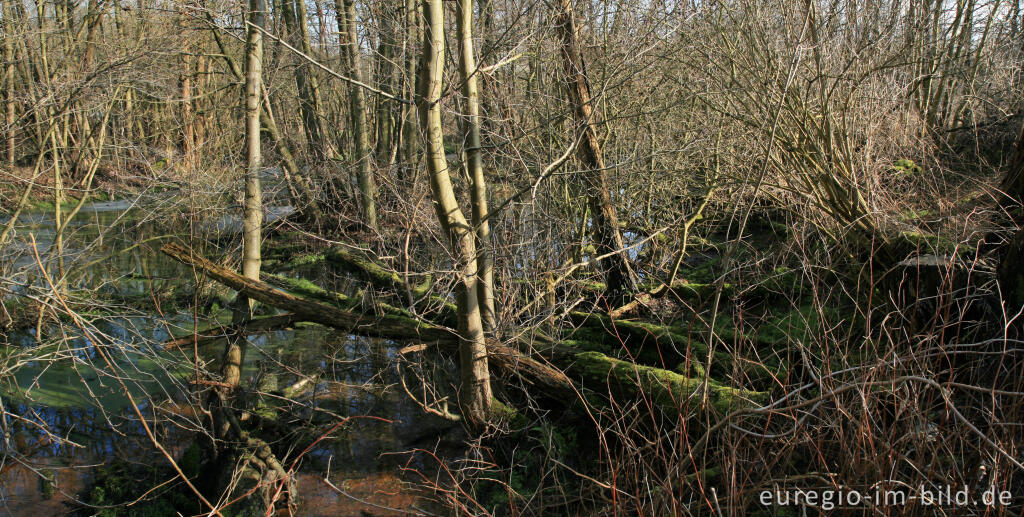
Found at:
(475, 396)
(410, 132)
(252, 214)
(58, 218)
(386, 78)
(297, 184)
(8, 82)
(347, 26)
(294, 13)
(619, 276)
(253, 96)
(199, 119)
(474, 163)
(188, 135)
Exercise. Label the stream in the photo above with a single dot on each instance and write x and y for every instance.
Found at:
(74, 397)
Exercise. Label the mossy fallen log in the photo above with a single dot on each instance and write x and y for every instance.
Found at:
(670, 391)
(598, 371)
(650, 344)
(307, 289)
(671, 347)
(384, 325)
(646, 343)
(293, 261)
(365, 268)
(681, 349)
(390, 326)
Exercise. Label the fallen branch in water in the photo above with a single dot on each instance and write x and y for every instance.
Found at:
(667, 390)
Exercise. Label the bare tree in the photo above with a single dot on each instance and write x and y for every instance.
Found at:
(8, 82)
(348, 27)
(475, 394)
(294, 14)
(474, 163)
(619, 276)
(252, 212)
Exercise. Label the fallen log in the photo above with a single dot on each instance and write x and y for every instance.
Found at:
(366, 269)
(647, 343)
(381, 277)
(384, 325)
(672, 392)
(595, 370)
(390, 326)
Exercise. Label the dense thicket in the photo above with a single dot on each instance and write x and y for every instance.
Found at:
(763, 243)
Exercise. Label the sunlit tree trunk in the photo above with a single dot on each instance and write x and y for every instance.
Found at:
(474, 164)
(58, 217)
(297, 184)
(348, 28)
(475, 396)
(252, 214)
(199, 103)
(619, 276)
(253, 93)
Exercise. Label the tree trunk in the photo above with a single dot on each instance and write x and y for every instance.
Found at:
(475, 397)
(1010, 272)
(306, 203)
(188, 135)
(294, 14)
(619, 276)
(672, 392)
(410, 132)
(253, 211)
(348, 28)
(8, 82)
(252, 216)
(386, 79)
(474, 164)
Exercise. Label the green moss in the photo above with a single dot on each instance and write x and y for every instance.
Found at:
(191, 460)
(47, 484)
(669, 390)
(380, 276)
(306, 289)
(925, 243)
(643, 342)
(306, 260)
(905, 167)
(587, 285)
(502, 413)
(805, 324)
(699, 292)
(48, 206)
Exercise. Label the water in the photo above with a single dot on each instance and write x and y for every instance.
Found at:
(75, 396)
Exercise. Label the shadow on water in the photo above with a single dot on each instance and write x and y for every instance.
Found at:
(68, 413)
